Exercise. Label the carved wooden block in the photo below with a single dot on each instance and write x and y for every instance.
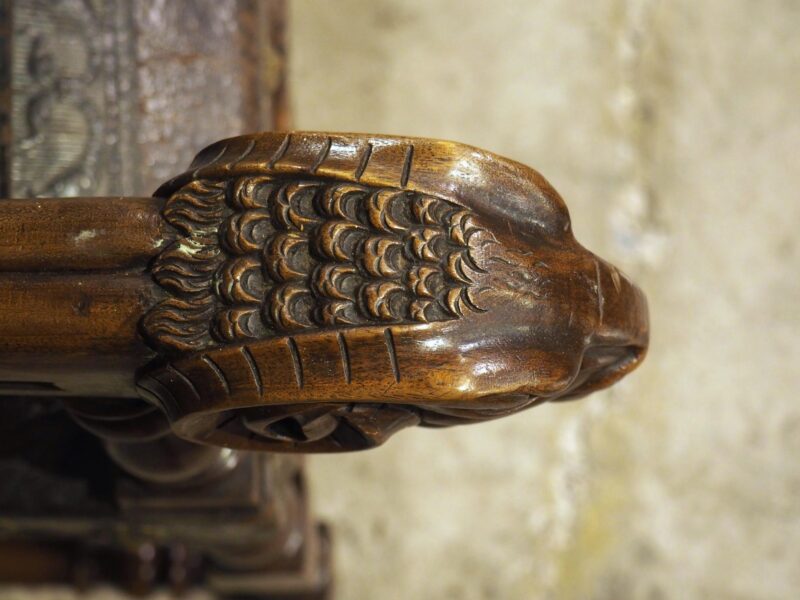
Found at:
(324, 291)
(311, 292)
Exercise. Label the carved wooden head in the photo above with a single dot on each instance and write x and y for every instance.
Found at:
(329, 290)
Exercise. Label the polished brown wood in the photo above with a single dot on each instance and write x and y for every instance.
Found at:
(315, 292)
(81, 234)
(73, 288)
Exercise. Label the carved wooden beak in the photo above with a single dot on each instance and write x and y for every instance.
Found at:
(315, 292)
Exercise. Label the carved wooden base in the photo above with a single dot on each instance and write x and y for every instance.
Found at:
(69, 516)
(147, 568)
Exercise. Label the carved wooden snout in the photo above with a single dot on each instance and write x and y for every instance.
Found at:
(621, 335)
(318, 292)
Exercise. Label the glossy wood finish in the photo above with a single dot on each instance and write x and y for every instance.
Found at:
(80, 234)
(73, 287)
(469, 297)
(315, 292)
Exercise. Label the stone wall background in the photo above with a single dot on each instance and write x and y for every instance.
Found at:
(672, 129)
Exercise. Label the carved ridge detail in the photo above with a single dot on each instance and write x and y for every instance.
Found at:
(265, 257)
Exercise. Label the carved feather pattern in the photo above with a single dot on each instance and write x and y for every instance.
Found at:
(266, 257)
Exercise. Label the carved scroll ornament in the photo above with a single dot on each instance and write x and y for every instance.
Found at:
(325, 291)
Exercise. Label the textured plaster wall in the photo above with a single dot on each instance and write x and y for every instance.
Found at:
(672, 128)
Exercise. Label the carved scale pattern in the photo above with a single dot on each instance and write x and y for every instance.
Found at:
(265, 257)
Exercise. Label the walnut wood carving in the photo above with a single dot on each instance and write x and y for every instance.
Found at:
(318, 292)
